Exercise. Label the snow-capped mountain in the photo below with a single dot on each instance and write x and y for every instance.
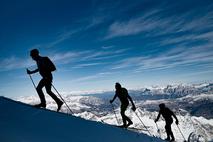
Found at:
(193, 105)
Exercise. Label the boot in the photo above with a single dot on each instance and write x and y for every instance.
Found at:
(43, 105)
(167, 139)
(130, 123)
(122, 126)
(60, 103)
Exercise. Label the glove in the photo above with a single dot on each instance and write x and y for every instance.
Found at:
(110, 101)
(177, 122)
(133, 108)
(28, 71)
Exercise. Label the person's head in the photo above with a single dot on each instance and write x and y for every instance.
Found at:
(117, 86)
(162, 106)
(34, 53)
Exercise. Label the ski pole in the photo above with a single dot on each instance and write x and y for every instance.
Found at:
(115, 113)
(145, 126)
(181, 134)
(143, 123)
(62, 99)
(32, 81)
(158, 129)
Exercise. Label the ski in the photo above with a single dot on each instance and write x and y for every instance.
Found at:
(131, 128)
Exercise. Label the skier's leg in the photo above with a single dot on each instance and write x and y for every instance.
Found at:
(124, 117)
(123, 109)
(48, 85)
(41, 94)
(171, 133)
(172, 136)
(127, 118)
(167, 131)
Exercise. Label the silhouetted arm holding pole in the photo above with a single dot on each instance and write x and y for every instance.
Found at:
(113, 98)
(31, 72)
(158, 117)
(133, 105)
(175, 118)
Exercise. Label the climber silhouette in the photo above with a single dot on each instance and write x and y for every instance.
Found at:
(45, 67)
(124, 98)
(167, 115)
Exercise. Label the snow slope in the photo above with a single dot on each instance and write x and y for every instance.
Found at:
(22, 123)
(98, 109)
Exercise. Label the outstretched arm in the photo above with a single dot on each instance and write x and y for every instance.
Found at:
(158, 117)
(113, 98)
(175, 117)
(133, 105)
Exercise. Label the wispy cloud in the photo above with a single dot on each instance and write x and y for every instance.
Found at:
(135, 25)
(131, 27)
(79, 59)
(179, 56)
(199, 22)
(62, 37)
(155, 23)
(104, 54)
(66, 57)
(93, 76)
(88, 65)
(13, 63)
(84, 25)
(198, 73)
(94, 21)
(188, 38)
(128, 62)
(107, 47)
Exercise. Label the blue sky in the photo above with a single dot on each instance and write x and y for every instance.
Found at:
(96, 43)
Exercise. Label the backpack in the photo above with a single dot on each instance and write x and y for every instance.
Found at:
(49, 64)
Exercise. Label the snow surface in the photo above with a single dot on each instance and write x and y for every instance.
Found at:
(193, 105)
(96, 109)
(22, 123)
